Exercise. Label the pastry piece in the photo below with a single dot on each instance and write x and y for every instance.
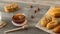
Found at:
(15, 7)
(45, 20)
(2, 24)
(55, 12)
(52, 24)
(11, 7)
(57, 29)
(7, 8)
(57, 15)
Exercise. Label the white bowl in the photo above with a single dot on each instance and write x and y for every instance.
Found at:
(19, 24)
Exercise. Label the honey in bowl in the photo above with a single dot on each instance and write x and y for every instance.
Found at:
(19, 18)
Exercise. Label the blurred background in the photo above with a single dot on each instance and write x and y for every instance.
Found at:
(48, 2)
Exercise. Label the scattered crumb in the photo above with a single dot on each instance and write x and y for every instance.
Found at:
(31, 6)
(32, 17)
(38, 9)
(35, 11)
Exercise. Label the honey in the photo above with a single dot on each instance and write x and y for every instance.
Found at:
(18, 18)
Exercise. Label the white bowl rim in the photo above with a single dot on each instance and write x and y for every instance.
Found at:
(19, 24)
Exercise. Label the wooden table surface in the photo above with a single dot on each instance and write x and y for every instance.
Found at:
(32, 30)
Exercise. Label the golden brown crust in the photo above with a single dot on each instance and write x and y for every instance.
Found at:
(11, 7)
(52, 24)
(57, 29)
(45, 20)
(55, 12)
(49, 22)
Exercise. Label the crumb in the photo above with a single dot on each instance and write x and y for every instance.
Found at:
(32, 17)
(35, 11)
(31, 6)
(38, 9)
